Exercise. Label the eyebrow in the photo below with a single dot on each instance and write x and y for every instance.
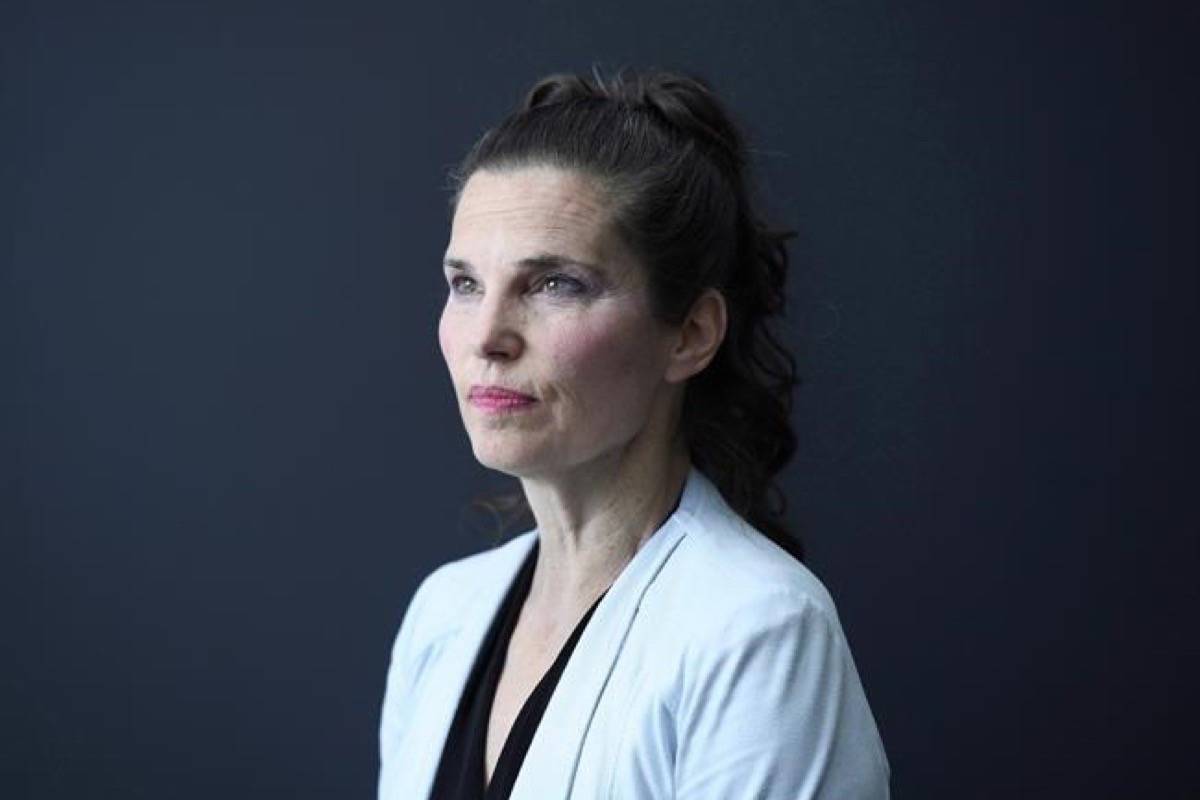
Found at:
(537, 263)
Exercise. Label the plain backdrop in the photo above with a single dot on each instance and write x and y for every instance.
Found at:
(231, 451)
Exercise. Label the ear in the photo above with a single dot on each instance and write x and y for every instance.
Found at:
(699, 337)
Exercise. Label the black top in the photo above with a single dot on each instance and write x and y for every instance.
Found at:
(460, 773)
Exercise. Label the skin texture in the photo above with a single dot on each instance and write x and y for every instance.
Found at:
(582, 342)
(599, 452)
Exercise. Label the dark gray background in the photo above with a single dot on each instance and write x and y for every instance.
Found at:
(231, 450)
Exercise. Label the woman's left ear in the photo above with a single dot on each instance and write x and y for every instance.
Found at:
(699, 337)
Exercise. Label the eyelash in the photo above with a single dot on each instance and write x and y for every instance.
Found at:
(578, 287)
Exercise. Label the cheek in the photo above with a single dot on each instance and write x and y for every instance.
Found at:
(447, 338)
(603, 362)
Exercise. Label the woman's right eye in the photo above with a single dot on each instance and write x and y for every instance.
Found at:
(461, 284)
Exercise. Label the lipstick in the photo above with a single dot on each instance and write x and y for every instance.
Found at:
(499, 399)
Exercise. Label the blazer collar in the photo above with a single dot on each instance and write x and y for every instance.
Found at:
(553, 757)
(551, 761)
(437, 705)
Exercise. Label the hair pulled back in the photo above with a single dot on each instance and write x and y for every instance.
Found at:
(675, 166)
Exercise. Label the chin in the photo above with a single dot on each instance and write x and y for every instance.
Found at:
(507, 460)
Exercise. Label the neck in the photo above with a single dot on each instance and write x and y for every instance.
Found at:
(593, 520)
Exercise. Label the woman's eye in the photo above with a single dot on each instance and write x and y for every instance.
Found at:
(563, 285)
(461, 284)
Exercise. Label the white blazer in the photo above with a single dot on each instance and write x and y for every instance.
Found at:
(715, 667)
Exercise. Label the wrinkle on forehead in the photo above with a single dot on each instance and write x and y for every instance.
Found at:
(538, 208)
(550, 189)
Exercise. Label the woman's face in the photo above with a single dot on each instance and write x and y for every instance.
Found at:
(555, 358)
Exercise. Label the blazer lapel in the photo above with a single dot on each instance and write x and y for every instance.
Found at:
(551, 761)
(440, 698)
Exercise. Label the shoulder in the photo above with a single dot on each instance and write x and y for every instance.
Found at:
(444, 598)
(725, 577)
(752, 663)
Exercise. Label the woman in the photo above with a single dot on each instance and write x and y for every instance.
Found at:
(608, 285)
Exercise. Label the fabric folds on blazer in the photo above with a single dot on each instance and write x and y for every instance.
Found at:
(714, 667)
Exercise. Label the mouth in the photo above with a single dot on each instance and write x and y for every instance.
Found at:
(495, 399)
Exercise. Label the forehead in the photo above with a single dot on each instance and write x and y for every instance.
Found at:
(504, 212)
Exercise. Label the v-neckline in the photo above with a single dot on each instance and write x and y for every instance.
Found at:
(460, 772)
(520, 733)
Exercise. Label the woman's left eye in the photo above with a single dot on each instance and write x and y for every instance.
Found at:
(562, 285)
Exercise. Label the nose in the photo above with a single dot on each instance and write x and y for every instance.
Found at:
(498, 336)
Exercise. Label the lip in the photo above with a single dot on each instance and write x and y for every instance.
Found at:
(499, 398)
